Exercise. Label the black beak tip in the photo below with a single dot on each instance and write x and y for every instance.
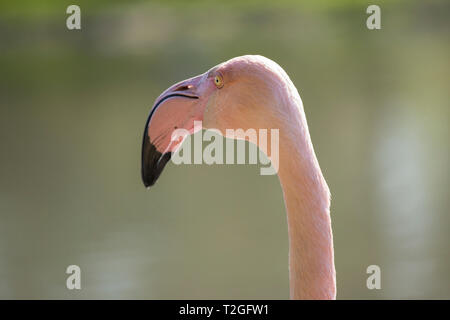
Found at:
(152, 166)
(147, 183)
(153, 162)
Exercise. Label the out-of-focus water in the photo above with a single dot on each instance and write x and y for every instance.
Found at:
(73, 108)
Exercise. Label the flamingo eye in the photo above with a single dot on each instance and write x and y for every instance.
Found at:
(218, 81)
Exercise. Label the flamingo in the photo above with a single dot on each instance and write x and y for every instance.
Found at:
(255, 92)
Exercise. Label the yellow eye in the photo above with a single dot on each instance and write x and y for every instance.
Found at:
(218, 81)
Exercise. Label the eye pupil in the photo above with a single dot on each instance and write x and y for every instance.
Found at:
(218, 81)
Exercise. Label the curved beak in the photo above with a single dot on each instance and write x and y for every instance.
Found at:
(176, 108)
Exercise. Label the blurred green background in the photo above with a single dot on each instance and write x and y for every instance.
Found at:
(73, 108)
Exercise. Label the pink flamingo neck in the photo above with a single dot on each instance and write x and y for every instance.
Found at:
(307, 200)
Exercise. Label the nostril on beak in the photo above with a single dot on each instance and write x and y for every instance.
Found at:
(184, 87)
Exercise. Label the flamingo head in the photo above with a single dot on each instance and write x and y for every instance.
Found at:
(241, 93)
